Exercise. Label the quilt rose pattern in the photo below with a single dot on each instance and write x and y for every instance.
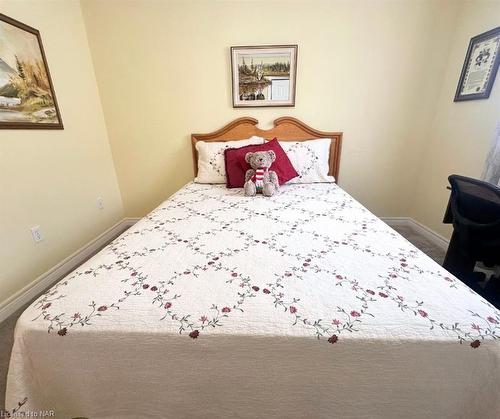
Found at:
(309, 262)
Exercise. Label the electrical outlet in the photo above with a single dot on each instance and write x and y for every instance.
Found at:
(36, 232)
(100, 203)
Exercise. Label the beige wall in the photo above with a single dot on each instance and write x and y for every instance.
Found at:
(371, 69)
(461, 133)
(53, 178)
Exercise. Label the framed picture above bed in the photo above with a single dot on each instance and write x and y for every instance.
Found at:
(264, 75)
(480, 67)
(27, 98)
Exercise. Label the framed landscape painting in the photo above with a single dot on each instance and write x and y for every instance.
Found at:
(264, 75)
(27, 98)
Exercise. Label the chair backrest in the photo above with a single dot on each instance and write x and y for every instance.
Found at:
(474, 203)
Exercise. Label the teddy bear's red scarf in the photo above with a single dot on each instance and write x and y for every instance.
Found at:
(258, 177)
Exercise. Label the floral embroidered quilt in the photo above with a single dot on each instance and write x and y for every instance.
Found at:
(221, 305)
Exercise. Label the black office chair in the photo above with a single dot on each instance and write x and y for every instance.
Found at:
(475, 212)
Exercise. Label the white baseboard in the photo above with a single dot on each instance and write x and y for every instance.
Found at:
(421, 229)
(37, 286)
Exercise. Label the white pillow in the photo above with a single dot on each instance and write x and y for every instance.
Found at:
(310, 159)
(211, 164)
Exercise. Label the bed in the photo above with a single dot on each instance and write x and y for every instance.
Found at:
(216, 305)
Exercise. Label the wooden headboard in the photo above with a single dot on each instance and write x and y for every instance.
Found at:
(284, 129)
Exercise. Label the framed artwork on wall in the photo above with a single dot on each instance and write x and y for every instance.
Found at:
(264, 75)
(27, 98)
(480, 67)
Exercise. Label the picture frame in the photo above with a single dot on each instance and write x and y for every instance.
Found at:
(27, 96)
(264, 76)
(480, 67)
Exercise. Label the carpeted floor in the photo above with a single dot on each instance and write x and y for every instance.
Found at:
(6, 339)
(7, 327)
(419, 241)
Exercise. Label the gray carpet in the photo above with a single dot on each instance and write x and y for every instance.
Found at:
(6, 339)
(7, 327)
(420, 242)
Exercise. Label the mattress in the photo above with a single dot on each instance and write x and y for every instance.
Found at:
(217, 305)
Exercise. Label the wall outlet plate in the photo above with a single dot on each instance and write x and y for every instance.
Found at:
(100, 203)
(36, 233)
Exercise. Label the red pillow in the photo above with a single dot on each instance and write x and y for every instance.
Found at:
(236, 166)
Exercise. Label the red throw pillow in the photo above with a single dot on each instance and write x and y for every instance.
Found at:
(236, 166)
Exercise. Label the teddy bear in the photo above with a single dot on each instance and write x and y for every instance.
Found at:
(259, 178)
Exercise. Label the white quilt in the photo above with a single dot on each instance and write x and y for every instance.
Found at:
(215, 305)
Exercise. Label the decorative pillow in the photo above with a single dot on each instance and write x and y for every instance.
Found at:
(310, 159)
(236, 166)
(211, 166)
